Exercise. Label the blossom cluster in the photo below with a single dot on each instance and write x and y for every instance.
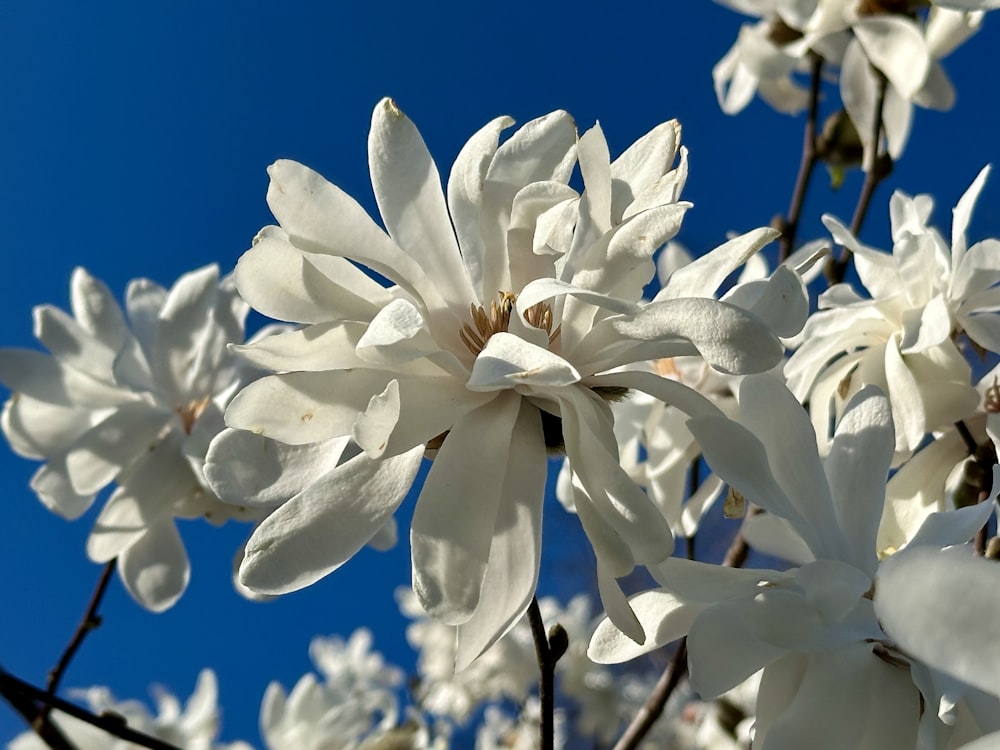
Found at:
(535, 306)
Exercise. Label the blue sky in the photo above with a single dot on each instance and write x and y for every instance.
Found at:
(135, 138)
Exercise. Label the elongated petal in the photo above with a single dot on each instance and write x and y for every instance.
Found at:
(465, 192)
(71, 344)
(324, 346)
(857, 468)
(322, 527)
(42, 377)
(702, 277)
(284, 283)
(409, 196)
(319, 217)
(453, 524)
(512, 569)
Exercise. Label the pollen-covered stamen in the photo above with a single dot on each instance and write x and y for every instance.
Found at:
(189, 413)
(498, 319)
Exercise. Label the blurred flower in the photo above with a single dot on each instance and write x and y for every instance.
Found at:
(488, 350)
(352, 707)
(923, 296)
(134, 399)
(195, 727)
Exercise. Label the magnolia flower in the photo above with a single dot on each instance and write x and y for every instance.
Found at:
(133, 399)
(763, 59)
(656, 448)
(923, 296)
(195, 727)
(355, 702)
(509, 302)
(811, 626)
(914, 74)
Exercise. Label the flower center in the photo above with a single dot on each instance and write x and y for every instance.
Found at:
(485, 324)
(189, 414)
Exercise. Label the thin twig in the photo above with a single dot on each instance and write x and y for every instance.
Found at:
(651, 710)
(790, 223)
(546, 670)
(89, 621)
(970, 442)
(12, 687)
(877, 168)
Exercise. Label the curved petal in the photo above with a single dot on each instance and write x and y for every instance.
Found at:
(155, 569)
(455, 518)
(323, 526)
(512, 568)
(409, 196)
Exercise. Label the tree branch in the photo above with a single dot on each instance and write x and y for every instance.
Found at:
(19, 692)
(789, 225)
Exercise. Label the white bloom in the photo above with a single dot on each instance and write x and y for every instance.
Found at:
(195, 727)
(923, 296)
(811, 626)
(491, 345)
(133, 399)
(355, 702)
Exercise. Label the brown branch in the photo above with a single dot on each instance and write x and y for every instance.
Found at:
(789, 225)
(651, 710)
(877, 168)
(549, 649)
(47, 732)
(89, 621)
(14, 689)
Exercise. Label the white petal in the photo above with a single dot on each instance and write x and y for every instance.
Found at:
(155, 569)
(42, 377)
(780, 301)
(508, 361)
(702, 277)
(320, 218)
(512, 569)
(71, 344)
(465, 191)
(323, 346)
(642, 164)
(722, 651)
(663, 617)
(617, 606)
(455, 517)
(244, 468)
(857, 468)
(322, 527)
(96, 310)
(284, 283)
(409, 196)
(895, 46)
(962, 215)
(925, 598)
(101, 453)
(305, 407)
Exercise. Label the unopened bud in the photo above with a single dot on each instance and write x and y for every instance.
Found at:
(993, 548)
(558, 641)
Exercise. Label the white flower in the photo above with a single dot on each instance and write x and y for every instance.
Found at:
(195, 727)
(132, 399)
(490, 347)
(811, 626)
(354, 704)
(923, 296)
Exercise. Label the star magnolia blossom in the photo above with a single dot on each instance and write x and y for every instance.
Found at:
(923, 296)
(812, 626)
(509, 300)
(355, 702)
(133, 399)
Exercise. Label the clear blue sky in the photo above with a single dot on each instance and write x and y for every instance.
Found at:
(135, 138)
